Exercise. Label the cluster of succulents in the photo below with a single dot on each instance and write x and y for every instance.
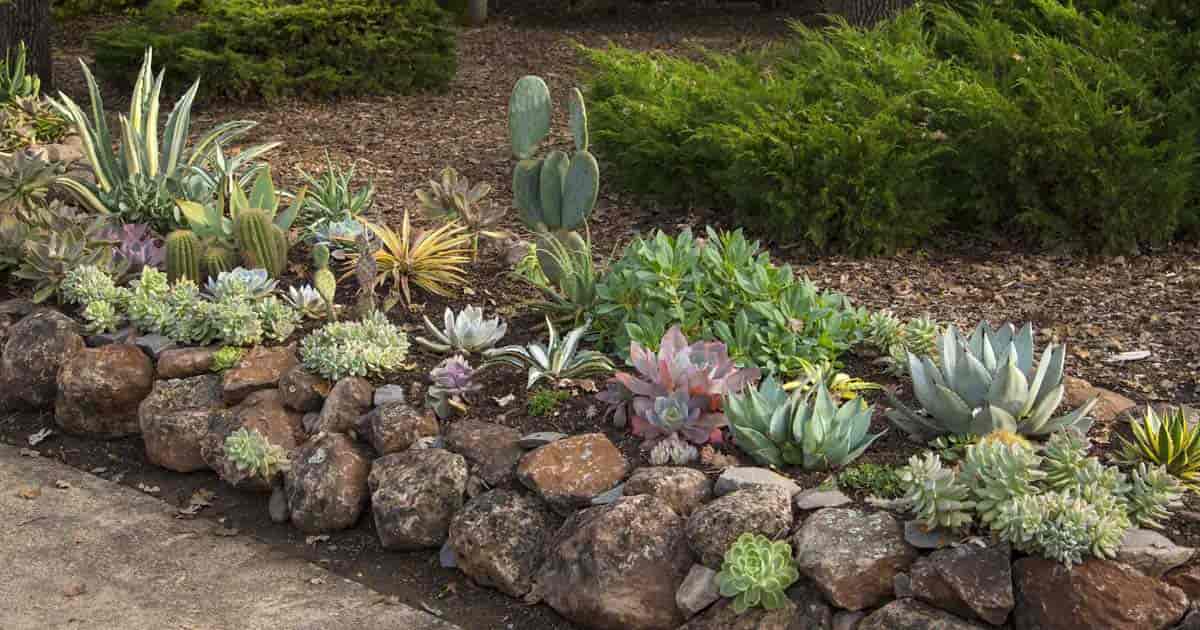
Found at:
(895, 339)
(985, 383)
(466, 332)
(756, 572)
(371, 347)
(252, 453)
(673, 450)
(678, 390)
(559, 359)
(452, 385)
(1062, 504)
(804, 429)
(101, 298)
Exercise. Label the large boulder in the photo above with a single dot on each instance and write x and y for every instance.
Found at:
(852, 556)
(684, 489)
(1151, 553)
(970, 581)
(327, 484)
(260, 368)
(499, 539)
(394, 427)
(414, 495)
(349, 399)
(491, 450)
(34, 351)
(1097, 594)
(303, 391)
(174, 420)
(765, 510)
(617, 566)
(99, 390)
(1186, 579)
(723, 617)
(185, 362)
(262, 411)
(812, 611)
(569, 473)
(910, 614)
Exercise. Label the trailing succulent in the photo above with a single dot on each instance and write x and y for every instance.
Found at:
(756, 572)
(250, 451)
(465, 333)
(452, 384)
(371, 347)
(988, 382)
(679, 390)
(559, 359)
(1062, 504)
(808, 430)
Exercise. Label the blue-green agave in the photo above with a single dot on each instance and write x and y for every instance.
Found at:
(756, 572)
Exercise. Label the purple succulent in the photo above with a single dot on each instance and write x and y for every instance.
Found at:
(137, 244)
(453, 380)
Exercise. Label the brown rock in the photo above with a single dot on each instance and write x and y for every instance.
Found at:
(414, 495)
(99, 390)
(1097, 594)
(174, 420)
(499, 539)
(185, 362)
(812, 611)
(1110, 405)
(970, 581)
(569, 473)
(303, 391)
(721, 616)
(617, 566)
(711, 530)
(684, 489)
(394, 427)
(852, 556)
(35, 350)
(1186, 579)
(910, 614)
(262, 411)
(492, 450)
(327, 484)
(349, 399)
(260, 368)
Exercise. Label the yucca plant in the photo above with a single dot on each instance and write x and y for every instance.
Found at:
(1168, 441)
(332, 196)
(142, 153)
(756, 572)
(466, 332)
(454, 198)
(558, 359)
(431, 260)
(988, 382)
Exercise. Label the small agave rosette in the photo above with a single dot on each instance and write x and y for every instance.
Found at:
(756, 572)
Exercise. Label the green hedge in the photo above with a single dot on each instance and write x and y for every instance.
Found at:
(1038, 121)
(259, 49)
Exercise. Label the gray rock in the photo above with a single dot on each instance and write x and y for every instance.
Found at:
(125, 335)
(394, 427)
(847, 620)
(683, 489)
(816, 498)
(500, 537)
(310, 421)
(812, 611)
(414, 496)
(698, 591)
(541, 438)
(909, 614)
(491, 450)
(34, 351)
(17, 307)
(446, 556)
(327, 484)
(277, 508)
(604, 498)
(765, 510)
(261, 411)
(852, 556)
(1152, 553)
(739, 477)
(902, 585)
(389, 394)
(921, 538)
(722, 616)
(1190, 622)
(99, 390)
(154, 345)
(970, 581)
(174, 420)
(349, 399)
(302, 390)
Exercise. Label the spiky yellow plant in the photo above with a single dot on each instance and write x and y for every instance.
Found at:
(1168, 441)
(431, 260)
(1005, 437)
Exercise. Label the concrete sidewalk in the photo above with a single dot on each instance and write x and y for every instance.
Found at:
(140, 568)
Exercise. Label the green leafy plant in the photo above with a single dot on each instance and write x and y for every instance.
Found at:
(51, 253)
(251, 452)
(988, 382)
(841, 386)
(543, 402)
(14, 81)
(226, 358)
(465, 333)
(558, 359)
(24, 182)
(332, 196)
(324, 280)
(756, 572)
(371, 347)
(1169, 441)
(26, 122)
(569, 292)
(452, 386)
(878, 480)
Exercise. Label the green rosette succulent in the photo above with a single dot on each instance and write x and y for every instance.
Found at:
(756, 572)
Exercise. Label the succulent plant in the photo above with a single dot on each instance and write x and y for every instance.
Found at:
(996, 472)
(371, 347)
(558, 359)
(673, 450)
(307, 301)
(138, 246)
(1167, 440)
(985, 383)
(88, 283)
(226, 357)
(24, 182)
(564, 271)
(756, 572)
(332, 197)
(250, 451)
(49, 254)
(101, 316)
(431, 260)
(324, 280)
(263, 244)
(1152, 491)
(703, 371)
(251, 284)
(279, 320)
(841, 385)
(934, 494)
(466, 333)
(454, 198)
(14, 81)
(452, 385)
(338, 235)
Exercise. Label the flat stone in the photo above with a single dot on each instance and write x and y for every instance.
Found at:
(541, 438)
(395, 427)
(1151, 553)
(569, 473)
(34, 351)
(916, 535)
(260, 368)
(970, 581)
(349, 399)
(414, 496)
(910, 614)
(492, 450)
(1097, 595)
(99, 390)
(852, 556)
(683, 489)
(697, 591)
(302, 390)
(327, 484)
(739, 477)
(723, 617)
(124, 335)
(712, 529)
(185, 362)
(174, 421)
(154, 345)
(815, 499)
(389, 394)
(500, 538)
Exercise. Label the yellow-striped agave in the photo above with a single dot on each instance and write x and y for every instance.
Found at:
(431, 260)
(1168, 441)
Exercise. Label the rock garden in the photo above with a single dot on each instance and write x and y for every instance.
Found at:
(515, 399)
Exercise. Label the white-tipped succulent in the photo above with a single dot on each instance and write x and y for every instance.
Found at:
(673, 450)
(985, 383)
(307, 301)
(559, 359)
(467, 332)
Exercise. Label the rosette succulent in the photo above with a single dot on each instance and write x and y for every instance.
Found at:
(988, 382)
(250, 451)
(226, 357)
(453, 382)
(467, 332)
(242, 283)
(756, 572)
(934, 494)
(307, 301)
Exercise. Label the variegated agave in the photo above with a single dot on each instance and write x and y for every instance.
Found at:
(558, 359)
(466, 332)
(680, 389)
(985, 383)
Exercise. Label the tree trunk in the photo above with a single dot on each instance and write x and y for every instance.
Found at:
(28, 21)
(866, 13)
(477, 11)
